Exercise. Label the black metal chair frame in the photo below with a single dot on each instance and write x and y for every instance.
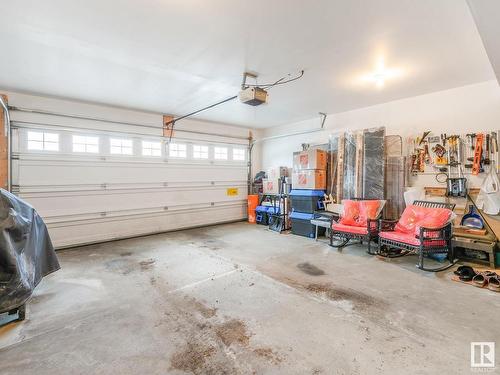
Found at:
(345, 237)
(430, 239)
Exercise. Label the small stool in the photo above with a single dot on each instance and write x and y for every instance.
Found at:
(321, 222)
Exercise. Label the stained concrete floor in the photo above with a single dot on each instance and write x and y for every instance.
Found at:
(239, 299)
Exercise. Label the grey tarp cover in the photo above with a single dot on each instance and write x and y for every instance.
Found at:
(26, 252)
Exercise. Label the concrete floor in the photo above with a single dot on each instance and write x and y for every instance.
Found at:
(239, 299)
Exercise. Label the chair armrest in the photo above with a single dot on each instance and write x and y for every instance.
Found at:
(372, 225)
(386, 225)
(334, 219)
(441, 233)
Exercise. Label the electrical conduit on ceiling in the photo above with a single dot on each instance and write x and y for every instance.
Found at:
(321, 128)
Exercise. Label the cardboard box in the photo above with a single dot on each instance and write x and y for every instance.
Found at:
(270, 186)
(311, 159)
(314, 179)
(274, 173)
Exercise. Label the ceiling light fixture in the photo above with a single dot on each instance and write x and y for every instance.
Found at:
(381, 74)
(379, 79)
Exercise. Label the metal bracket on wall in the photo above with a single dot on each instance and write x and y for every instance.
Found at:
(323, 119)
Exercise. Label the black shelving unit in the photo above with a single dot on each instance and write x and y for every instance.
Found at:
(280, 201)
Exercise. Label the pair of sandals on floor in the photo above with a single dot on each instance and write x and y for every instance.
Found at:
(479, 279)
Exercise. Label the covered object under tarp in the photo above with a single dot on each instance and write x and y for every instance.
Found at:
(26, 252)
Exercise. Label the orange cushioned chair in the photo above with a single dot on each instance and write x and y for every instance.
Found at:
(424, 228)
(359, 221)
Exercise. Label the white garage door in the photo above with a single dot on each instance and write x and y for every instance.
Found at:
(93, 185)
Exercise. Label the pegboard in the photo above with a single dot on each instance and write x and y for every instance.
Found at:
(427, 176)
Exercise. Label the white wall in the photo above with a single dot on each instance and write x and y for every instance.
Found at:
(466, 109)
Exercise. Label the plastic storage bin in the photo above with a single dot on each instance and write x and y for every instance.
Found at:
(301, 225)
(251, 216)
(307, 201)
(253, 201)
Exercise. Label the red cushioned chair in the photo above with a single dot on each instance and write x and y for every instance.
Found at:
(358, 221)
(424, 228)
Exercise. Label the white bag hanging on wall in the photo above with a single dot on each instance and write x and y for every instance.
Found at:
(489, 196)
(414, 194)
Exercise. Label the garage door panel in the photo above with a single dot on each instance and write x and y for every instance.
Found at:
(82, 232)
(110, 201)
(38, 173)
(92, 197)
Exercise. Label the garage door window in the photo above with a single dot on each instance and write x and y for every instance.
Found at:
(220, 153)
(82, 143)
(200, 152)
(150, 148)
(177, 150)
(43, 141)
(238, 154)
(120, 146)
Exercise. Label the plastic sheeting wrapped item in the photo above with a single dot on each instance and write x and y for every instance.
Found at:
(26, 252)
(396, 178)
(393, 145)
(352, 165)
(374, 163)
(360, 164)
(336, 160)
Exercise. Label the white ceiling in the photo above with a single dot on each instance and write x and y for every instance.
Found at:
(487, 16)
(175, 56)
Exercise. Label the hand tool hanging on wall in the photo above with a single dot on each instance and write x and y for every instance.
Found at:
(467, 151)
(414, 163)
(428, 159)
(420, 155)
(494, 143)
(440, 151)
(424, 136)
(421, 160)
(471, 137)
(455, 186)
(494, 149)
(487, 156)
(476, 166)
